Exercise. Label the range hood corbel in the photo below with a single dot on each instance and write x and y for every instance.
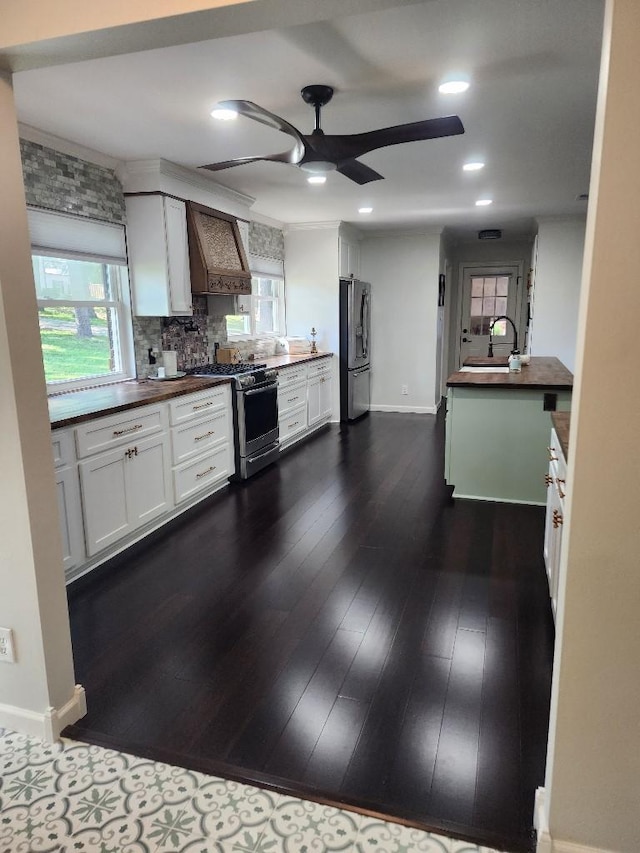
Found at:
(217, 259)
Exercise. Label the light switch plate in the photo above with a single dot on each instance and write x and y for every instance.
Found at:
(7, 649)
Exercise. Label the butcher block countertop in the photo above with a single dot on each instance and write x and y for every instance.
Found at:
(561, 423)
(541, 372)
(75, 407)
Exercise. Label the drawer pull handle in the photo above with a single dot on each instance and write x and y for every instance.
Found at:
(551, 451)
(548, 479)
(132, 451)
(558, 481)
(557, 518)
(206, 435)
(204, 473)
(295, 423)
(292, 399)
(118, 432)
(203, 406)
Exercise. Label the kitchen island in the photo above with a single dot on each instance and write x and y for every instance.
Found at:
(497, 430)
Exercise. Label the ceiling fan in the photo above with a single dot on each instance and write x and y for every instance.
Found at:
(317, 153)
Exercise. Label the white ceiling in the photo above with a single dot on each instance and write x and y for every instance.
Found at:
(529, 112)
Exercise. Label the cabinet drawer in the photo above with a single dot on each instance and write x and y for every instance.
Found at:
(318, 367)
(193, 438)
(292, 375)
(105, 433)
(293, 422)
(291, 397)
(62, 447)
(201, 473)
(197, 405)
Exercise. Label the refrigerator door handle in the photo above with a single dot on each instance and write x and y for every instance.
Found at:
(365, 324)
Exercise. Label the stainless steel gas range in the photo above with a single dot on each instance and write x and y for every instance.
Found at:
(255, 413)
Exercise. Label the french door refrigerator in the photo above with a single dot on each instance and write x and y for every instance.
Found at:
(355, 337)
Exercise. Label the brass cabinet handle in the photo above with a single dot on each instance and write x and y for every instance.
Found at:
(206, 435)
(203, 406)
(204, 473)
(558, 481)
(132, 451)
(557, 518)
(295, 423)
(118, 432)
(551, 451)
(548, 479)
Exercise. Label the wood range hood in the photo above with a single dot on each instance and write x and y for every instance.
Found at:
(217, 259)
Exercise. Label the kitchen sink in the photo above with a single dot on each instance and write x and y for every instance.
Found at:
(468, 369)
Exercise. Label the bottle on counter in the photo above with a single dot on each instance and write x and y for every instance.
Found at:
(515, 365)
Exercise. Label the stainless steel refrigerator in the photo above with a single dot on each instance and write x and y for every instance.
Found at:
(355, 347)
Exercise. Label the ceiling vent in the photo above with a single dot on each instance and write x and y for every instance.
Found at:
(490, 234)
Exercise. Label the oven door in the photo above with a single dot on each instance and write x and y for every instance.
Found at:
(257, 418)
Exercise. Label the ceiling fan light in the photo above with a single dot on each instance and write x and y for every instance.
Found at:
(318, 167)
(224, 114)
(453, 87)
(317, 179)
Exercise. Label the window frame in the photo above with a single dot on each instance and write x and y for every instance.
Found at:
(123, 317)
(253, 301)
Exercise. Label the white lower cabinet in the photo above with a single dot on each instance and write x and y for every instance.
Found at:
(68, 498)
(201, 441)
(556, 492)
(304, 399)
(123, 489)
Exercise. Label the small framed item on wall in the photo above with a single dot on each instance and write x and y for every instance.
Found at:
(441, 282)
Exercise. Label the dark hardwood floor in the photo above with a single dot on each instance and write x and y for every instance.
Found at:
(336, 627)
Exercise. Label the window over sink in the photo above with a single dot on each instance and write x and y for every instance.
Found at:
(261, 314)
(82, 291)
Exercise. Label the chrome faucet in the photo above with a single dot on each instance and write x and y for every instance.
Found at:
(515, 334)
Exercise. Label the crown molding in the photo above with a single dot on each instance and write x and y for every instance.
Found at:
(145, 170)
(266, 220)
(312, 226)
(413, 232)
(65, 146)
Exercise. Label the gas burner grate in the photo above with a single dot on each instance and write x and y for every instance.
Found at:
(224, 369)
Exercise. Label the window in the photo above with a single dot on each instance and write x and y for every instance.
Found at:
(81, 314)
(488, 300)
(82, 289)
(261, 314)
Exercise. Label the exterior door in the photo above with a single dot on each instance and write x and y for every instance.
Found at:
(488, 292)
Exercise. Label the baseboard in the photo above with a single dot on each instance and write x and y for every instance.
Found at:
(48, 725)
(496, 500)
(417, 410)
(547, 844)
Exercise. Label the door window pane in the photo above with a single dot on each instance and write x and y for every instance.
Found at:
(489, 287)
(502, 285)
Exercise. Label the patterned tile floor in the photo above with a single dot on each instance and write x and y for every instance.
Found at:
(71, 797)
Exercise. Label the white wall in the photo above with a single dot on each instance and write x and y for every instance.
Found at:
(312, 289)
(557, 288)
(403, 271)
(593, 762)
(37, 692)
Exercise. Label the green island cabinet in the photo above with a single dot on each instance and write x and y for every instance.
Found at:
(497, 430)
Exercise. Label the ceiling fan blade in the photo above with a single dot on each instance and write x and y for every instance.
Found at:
(356, 144)
(283, 157)
(358, 172)
(257, 113)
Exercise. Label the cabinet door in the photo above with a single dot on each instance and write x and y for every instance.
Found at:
(70, 513)
(104, 495)
(326, 402)
(148, 480)
(177, 256)
(349, 263)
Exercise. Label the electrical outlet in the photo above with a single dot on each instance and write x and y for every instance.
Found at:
(405, 389)
(7, 650)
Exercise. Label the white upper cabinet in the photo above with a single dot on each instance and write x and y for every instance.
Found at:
(158, 255)
(349, 258)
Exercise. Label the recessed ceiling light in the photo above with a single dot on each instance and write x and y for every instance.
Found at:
(365, 210)
(483, 202)
(317, 179)
(473, 167)
(224, 114)
(453, 87)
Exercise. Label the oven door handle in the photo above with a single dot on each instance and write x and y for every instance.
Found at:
(271, 387)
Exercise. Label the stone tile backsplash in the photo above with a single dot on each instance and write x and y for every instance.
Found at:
(64, 183)
(265, 241)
